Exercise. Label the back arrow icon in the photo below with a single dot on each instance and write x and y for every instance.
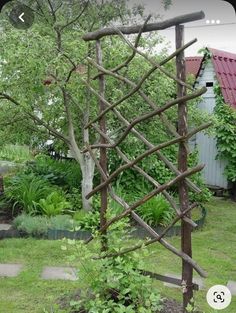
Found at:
(21, 17)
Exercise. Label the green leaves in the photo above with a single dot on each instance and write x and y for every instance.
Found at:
(54, 204)
(25, 191)
(118, 286)
(35, 194)
(156, 211)
(226, 134)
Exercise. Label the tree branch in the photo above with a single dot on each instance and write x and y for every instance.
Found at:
(145, 175)
(136, 87)
(77, 17)
(147, 227)
(142, 156)
(154, 63)
(149, 115)
(37, 119)
(52, 11)
(72, 142)
(148, 197)
(148, 144)
(159, 238)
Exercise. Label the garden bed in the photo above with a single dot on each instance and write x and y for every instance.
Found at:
(55, 234)
(52, 234)
(140, 232)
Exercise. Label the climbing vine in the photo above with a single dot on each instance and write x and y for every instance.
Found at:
(226, 134)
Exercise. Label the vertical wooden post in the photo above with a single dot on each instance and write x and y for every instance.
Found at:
(1, 186)
(103, 152)
(186, 244)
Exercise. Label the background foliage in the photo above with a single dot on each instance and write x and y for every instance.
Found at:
(226, 134)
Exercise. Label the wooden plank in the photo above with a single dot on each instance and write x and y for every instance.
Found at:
(167, 279)
(128, 30)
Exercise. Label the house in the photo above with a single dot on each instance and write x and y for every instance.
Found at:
(215, 67)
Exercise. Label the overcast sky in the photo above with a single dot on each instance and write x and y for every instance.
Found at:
(219, 36)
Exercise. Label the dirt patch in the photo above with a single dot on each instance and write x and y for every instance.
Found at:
(171, 306)
(7, 214)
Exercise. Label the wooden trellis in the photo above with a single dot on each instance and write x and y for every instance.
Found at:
(180, 137)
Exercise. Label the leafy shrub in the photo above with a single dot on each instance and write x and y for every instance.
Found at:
(54, 204)
(156, 211)
(35, 226)
(75, 198)
(26, 191)
(15, 153)
(87, 220)
(66, 174)
(115, 284)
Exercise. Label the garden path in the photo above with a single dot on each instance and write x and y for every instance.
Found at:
(71, 273)
(48, 272)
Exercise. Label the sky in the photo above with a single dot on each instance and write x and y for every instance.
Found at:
(218, 36)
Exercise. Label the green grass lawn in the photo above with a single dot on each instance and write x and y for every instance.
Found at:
(213, 248)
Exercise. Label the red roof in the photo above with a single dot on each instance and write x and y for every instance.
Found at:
(193, 65)
(225, 68)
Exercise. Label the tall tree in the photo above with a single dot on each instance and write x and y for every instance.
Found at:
(41, 93)
(41, 68)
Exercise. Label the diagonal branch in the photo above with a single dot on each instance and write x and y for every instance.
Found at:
(154, 63)
(136, 88)
(163, 117)
(142, 156)
(132, 163)
(126, 62)
(163, 62)
(147, 227)
(148, 177)
(125, 97)
(119, 67)
(147, 143)
(159, 238)
(37, 119)
(77, 17)
(149, 115)
(148, 197)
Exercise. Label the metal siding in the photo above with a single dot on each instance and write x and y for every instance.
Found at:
(213, 172)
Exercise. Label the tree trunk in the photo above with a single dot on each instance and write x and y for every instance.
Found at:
(87, 169)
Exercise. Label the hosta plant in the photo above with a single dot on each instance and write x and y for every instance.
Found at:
(54, 204)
